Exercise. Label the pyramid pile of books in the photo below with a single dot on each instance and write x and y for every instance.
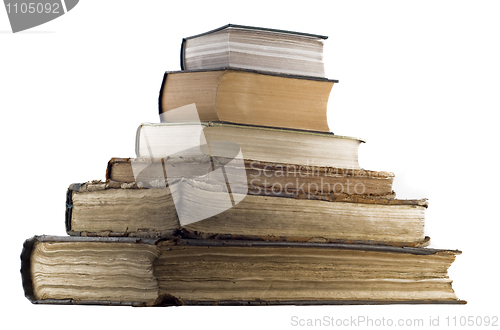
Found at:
(240, 195)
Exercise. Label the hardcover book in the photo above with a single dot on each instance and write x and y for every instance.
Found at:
(146, 272)
(102, 209)
(292, 180)
(248, 97)
(265, 144)
(246, 47)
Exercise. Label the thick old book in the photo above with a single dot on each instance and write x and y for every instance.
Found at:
(200, 208)
(256, 143)
(147, 272)
(292, 179)
(246, 47)
(248, 97)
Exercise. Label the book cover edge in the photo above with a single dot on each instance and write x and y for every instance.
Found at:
(261, 72)
(271, 128)
(305, 34)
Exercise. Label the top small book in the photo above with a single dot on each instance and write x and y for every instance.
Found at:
(254, 48)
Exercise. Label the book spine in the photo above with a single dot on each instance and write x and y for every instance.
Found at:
(183, 50)
(138, 141)
(160, 96)
(109, 169)
(27, 279)
(26, 268)
(69, 208)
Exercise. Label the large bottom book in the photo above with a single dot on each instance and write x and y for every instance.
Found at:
(147, 272)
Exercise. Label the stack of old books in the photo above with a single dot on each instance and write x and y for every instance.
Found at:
(240, 195)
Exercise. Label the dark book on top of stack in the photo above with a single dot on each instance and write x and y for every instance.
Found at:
(255, 48)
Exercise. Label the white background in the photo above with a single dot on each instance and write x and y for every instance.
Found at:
(419, 80)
